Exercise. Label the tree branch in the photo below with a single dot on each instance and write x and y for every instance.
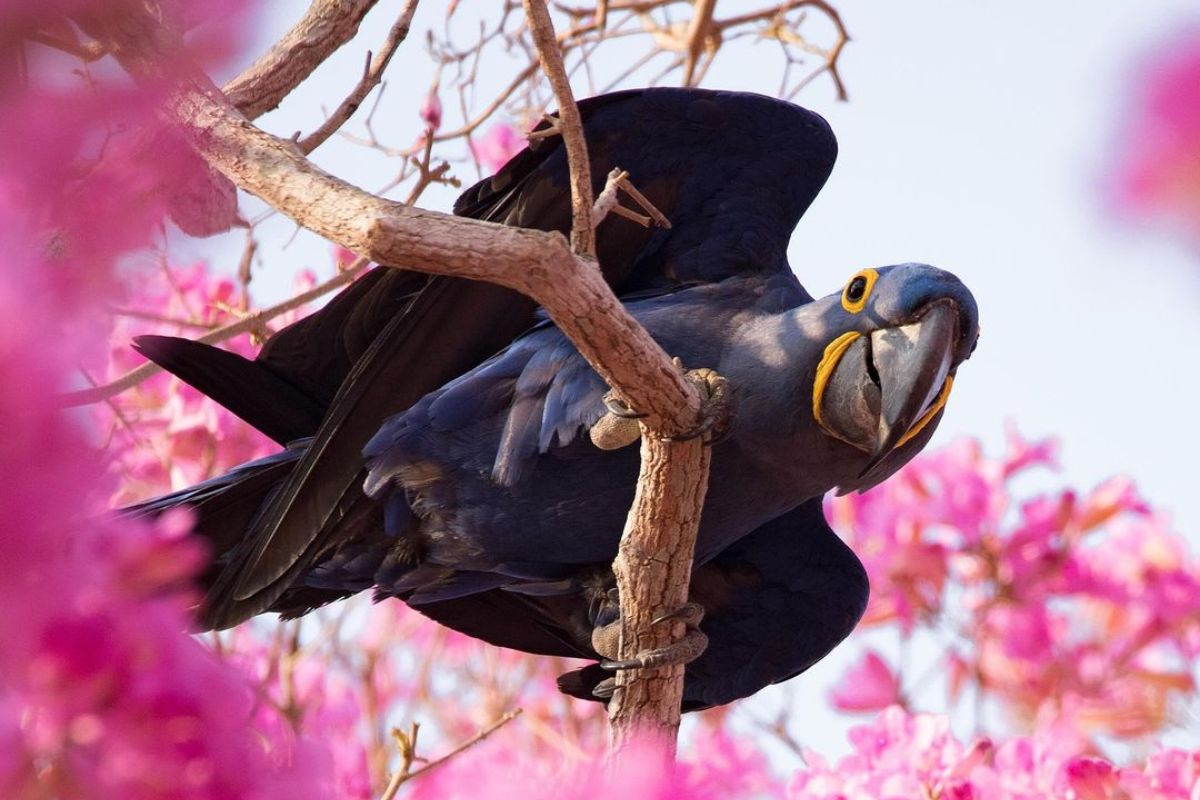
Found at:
(370, 79)
(653, 569)
(535, 263)
(403, 775)
(326, 26)
(570, 125)
(656, 552)
(654, 562)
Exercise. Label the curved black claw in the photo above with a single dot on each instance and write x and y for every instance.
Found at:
(619, 408)
(605, 689)
(684, 651)
(690, 614)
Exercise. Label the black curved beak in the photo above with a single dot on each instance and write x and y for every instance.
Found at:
(912, 363)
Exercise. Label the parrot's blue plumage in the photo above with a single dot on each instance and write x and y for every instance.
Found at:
(428, 466)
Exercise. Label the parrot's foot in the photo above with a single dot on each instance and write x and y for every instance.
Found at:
(619, 427)
(716, 405)
(606, 641)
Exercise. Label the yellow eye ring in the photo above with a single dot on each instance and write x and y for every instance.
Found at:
(854, 296)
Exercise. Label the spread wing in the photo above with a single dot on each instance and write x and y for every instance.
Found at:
(732, 172)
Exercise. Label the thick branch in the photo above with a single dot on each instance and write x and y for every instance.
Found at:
(653, 568)
(654, 563)
(326, 26)
(534, 263)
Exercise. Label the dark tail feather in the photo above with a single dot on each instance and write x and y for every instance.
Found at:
(226, 506)
(247, 388)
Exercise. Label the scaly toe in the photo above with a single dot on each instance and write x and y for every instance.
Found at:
(684, 651)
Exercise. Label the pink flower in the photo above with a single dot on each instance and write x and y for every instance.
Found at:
(501, 142)
(431, 110)
(1090, 779)
(869, 685)
(1158, 163)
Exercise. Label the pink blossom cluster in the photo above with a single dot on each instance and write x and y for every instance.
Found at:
(102, 693)
(1065, 606)
(903, 755)
(163, 435)
(716, 765)
(1158, 159)
(355, 671)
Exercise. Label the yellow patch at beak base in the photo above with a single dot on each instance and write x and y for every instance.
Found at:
(829, 361)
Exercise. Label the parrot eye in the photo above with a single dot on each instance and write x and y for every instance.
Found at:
(854, 297)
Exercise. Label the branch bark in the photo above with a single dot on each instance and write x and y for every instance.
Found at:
(654, 561)
(538, 264)
(326, 26)
(570, 125)
(653, 569)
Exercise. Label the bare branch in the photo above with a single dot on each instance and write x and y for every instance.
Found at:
(86, 52)
(538, 264)
(402, 776)
(583, 233)
(653, 568)
(370, 79)
(250, 323)
(654, 563)
(698, 30)
(326, 26)
(606, 201)
(641, 199)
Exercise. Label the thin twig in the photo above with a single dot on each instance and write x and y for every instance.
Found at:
(606, 201)
(583, 234)
(85, 51)
(659, 218)
(370, 79)
(697, 32)
(401, 777)
(252, 322)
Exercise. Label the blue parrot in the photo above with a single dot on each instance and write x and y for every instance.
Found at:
(439, 433)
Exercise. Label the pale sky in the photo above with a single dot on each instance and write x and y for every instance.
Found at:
(975, 139)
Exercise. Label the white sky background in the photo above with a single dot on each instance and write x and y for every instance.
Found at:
(976, 139)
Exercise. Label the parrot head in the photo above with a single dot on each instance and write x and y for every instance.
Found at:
(884, 378)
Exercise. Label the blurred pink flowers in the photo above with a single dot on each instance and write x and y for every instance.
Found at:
(1067, 609)
(902, 755)
(715, 767)
(431, 110)
(102, 692)
(869, 685)
(1158, 161)
(501, 142)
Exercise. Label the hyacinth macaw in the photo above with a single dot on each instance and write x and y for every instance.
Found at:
(436, 429)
